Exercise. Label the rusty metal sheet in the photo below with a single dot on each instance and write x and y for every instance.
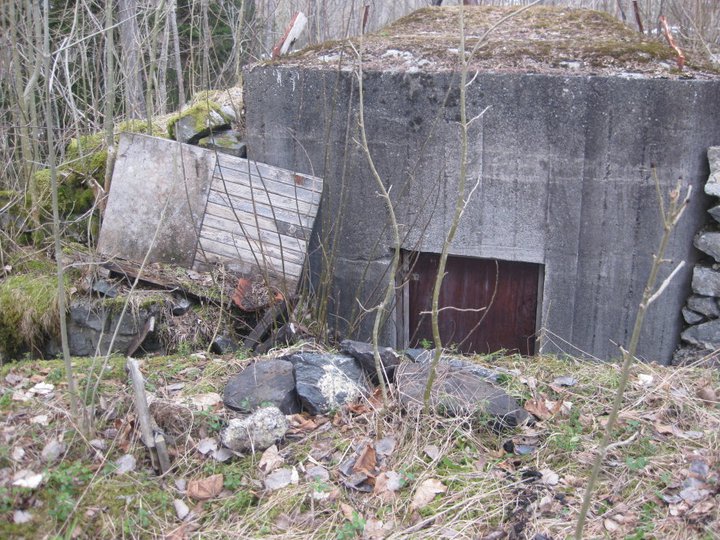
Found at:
(487, 305)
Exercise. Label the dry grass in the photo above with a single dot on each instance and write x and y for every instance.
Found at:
(669, 433)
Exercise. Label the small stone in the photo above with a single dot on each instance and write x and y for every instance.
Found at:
(98, 444)
(709, 243)
(705, 305)
(223, 345)
(21, 516)
(574, 65)
(715, 213)
(52, 451)
(706, 335)
(105, 288)
(364, 353)
(691, 317)
(712, 186)
(181, 509)
(198, 121)
(227, 142)
(125, 464)
(181, 306)
(706, 281)
(318, 473)
(257, 432)
(17, 454)
(281, 478)
(565, 380)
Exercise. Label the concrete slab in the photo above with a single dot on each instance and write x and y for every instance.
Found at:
(192, 207)
(157, 200)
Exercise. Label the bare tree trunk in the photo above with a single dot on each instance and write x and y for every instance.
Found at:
(162, 67)
(172, 14)
(25, 103)
(130, 45)
(151, 72)
(49, 123)
(205, 45)
(108, 121)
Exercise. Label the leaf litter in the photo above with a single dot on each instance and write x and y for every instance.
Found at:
(415, 477)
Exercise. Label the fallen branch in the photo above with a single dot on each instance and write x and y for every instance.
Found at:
(671, 41)
(155, 442)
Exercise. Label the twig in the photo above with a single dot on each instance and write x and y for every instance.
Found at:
(638, 17)
(665, 284)
(666, 31)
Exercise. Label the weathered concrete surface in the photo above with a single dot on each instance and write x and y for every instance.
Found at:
(157, 185)
(563, 171)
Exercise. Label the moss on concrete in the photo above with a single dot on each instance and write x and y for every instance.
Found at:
(538, 40)
(199, 112)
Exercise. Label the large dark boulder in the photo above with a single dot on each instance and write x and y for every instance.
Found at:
(261, 383)
(458, 391)
(325, 382)
(363, 353)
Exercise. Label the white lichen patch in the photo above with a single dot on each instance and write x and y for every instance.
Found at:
(336, 387)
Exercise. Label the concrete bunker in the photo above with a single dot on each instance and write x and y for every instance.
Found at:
(581, 112)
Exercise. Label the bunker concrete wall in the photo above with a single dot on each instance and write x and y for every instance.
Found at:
(563, 173)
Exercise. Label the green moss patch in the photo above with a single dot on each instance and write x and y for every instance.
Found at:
(199, 113)
(28, 312)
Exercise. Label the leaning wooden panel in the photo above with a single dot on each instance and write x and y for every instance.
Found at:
(259, 219)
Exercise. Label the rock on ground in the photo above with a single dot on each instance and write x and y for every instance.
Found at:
(423, 356)
(257, 432)
(457, 391)
(265, 381)
(363, 353)
(326, 381)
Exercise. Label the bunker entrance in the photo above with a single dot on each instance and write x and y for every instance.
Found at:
(486, 304)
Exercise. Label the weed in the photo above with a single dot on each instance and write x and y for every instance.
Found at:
(5, 399)
(569, 435)
(64, 483)
(211, 420)
(351, 529)
(636, 464)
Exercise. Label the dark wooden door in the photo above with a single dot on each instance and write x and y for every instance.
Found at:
(507, 290)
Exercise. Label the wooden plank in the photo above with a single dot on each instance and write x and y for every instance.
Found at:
(221, 252)
(268, 223)
(254, 246)
(259, 196)
(305, 181)
(250, 233)
(254, 338)
(271, 185)
(243, 206)
(259, 216)
(265, 223)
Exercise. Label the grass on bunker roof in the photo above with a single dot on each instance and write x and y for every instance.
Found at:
(442, 478)
(540, 39)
